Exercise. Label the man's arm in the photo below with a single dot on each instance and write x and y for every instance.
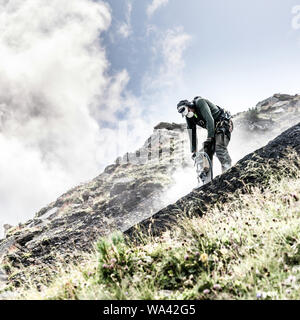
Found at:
(203, 108)
(191, 126)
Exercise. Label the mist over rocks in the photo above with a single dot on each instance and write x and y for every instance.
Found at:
(257, 126)
(126, 192)
(145, 184)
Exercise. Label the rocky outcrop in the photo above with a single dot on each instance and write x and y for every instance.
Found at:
(276, 100)
(273, 115)
(170, 126)
(257, 126)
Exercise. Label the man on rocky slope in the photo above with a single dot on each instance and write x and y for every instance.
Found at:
(218, 123)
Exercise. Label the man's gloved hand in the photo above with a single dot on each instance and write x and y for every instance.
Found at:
(194, 155)
(209, 146)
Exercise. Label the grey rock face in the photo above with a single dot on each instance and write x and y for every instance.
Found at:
(170, 126)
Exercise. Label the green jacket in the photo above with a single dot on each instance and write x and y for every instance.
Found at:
(205, 115)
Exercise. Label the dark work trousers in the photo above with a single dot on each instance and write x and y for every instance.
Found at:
(221, 143)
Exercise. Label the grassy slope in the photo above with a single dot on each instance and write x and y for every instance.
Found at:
(247, 249)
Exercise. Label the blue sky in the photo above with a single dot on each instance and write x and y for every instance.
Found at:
(239, 52)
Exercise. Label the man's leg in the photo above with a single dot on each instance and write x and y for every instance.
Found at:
(222, 142)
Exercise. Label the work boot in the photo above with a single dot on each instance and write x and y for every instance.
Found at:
(225, 167)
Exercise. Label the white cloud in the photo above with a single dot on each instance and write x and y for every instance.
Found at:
(125, 28)
(296, 17)
(155, 5)
(168, 48)
(173, 46)
(54, 89)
